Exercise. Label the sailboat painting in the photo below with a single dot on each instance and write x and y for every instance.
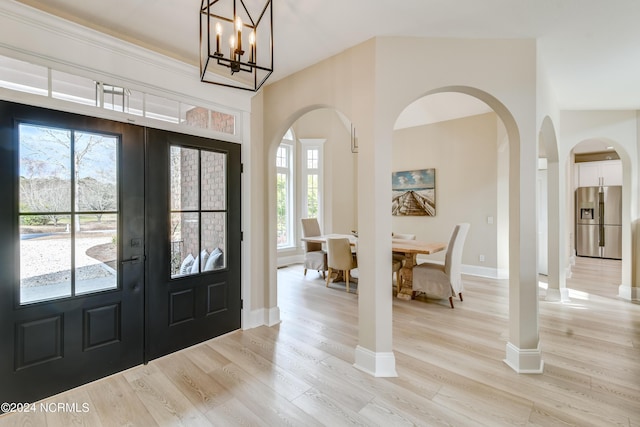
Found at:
(414, 193)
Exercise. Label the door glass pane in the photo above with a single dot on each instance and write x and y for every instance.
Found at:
(96, 253)
(96, 172)
(185, 244)
(214, 231)
(198, 217)
(213, 180)
(45, 258)
(45, 170)
(69, 212)
(185, 171)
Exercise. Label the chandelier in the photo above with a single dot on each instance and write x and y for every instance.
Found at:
(236, 43)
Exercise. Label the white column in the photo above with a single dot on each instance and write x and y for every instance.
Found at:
(374, 353)
(557, 286)
(523, 349)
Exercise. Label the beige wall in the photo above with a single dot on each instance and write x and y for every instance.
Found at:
(464, 154)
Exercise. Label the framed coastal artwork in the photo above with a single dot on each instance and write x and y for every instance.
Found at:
(414, 193)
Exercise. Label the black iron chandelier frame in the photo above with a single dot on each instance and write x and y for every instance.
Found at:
(236, 61)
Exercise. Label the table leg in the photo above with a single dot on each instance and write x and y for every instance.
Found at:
(405, 277)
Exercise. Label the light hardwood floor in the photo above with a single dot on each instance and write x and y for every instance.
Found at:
(449, 363)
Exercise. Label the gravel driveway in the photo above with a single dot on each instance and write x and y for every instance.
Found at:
(45, 266)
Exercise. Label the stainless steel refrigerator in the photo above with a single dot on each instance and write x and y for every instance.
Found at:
(599, 222)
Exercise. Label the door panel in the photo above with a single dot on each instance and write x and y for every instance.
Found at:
(56, 341)
(193, 240)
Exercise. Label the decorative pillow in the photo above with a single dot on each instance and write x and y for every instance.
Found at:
(215, 260)
(187, 263)
(204, 255)
(219, 262)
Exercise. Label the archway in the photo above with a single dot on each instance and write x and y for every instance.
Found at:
(602, 162)
(326, 131)
(461, 138)
(523, 351)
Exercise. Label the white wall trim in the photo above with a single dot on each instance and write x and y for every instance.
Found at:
(629, 293)
(489, 272)
(262, 317)
(382, 364)
(524, 361)
(475, 270)
(284, 261)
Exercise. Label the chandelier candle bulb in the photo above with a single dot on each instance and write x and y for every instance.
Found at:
(252, 44)
(232, 48)
(218, 35)
(239, 30)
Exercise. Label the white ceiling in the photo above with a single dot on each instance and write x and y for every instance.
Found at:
(590, 49)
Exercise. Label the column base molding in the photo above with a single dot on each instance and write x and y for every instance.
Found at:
(381, 364)
(524, 361)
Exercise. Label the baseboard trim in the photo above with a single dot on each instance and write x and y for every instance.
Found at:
(489, 272)
(629, 293)
(262, 317)
(381, 364)
(524, 361)
(284, 261)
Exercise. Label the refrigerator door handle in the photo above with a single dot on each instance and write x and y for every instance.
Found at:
(601, 218)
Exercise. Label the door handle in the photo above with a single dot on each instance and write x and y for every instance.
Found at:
(133, 260)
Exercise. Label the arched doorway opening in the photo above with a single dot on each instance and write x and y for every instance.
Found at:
(462, 139)
(312, 173)
(597, 168)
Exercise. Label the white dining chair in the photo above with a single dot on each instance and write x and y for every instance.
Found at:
(443, 281)
(315, 257)
(340, 258)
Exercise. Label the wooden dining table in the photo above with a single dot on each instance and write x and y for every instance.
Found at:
(409, 248)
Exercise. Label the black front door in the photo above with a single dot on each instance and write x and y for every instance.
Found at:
(71, 250)
(193, 240)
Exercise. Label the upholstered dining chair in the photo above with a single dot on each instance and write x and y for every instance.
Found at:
(443, 281)
(398, 259)
(314, 257)
(340, 258)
